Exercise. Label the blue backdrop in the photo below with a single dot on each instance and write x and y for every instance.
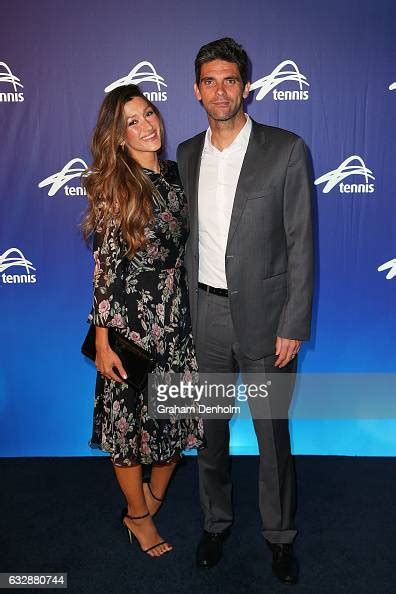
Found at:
(325, 70)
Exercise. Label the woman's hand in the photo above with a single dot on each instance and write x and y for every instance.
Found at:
(107, 359)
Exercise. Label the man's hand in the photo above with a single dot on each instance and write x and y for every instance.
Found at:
(286, 349)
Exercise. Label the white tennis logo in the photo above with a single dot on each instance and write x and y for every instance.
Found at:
(7, 77)
(7, 260)
(60, 179)
(392, 87)
(336, 176)
(391, 266)
(278, 76)
(142, 72)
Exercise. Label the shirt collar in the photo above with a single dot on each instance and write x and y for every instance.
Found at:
(240, 141)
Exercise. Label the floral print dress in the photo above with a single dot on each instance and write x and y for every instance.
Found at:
(145, 298)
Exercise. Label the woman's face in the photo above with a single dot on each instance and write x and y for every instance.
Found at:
(143, 130)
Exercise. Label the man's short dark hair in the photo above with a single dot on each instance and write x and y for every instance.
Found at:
(226, 49)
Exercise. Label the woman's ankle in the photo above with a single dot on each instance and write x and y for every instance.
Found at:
(134, 514)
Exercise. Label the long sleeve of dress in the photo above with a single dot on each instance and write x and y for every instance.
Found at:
(108, 279)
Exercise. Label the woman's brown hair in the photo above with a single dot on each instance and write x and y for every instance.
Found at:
(118, 191)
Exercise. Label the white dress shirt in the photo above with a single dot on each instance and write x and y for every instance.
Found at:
(218, 179)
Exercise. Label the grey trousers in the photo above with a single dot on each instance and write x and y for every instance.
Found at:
(218, 352)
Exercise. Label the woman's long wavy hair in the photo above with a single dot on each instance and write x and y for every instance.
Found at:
(117, 188)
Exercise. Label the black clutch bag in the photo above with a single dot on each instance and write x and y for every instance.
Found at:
(136, 361)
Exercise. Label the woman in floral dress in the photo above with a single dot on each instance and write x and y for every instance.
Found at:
(137, 215)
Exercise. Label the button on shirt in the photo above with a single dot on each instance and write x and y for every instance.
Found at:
(218, 179)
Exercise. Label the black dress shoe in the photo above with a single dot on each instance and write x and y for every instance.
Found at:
(284, 564)
(210, 548)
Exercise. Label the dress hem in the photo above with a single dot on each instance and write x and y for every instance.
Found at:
(178, 452)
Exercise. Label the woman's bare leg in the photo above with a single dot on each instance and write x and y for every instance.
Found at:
(160, 477)
(130, 481)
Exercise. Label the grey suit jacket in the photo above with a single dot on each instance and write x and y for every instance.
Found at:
(269, 254)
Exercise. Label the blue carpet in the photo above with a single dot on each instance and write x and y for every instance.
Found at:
(62, 515)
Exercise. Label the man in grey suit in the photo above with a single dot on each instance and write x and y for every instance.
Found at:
(249, 262)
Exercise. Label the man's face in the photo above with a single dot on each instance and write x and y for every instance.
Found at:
(221, 90)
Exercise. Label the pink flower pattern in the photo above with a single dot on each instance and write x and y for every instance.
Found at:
(104, 307)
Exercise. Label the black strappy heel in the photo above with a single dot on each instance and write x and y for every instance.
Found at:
(133, 537)
(159, 499)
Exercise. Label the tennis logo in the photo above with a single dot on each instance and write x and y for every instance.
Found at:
(144, 72)
(12, 258)
(285, 71)
(390, 266)
(392, 87)
(346, 169)
(73, 169)
(6, 77)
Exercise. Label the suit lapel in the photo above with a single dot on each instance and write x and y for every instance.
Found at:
(248, 178)
(195, 164)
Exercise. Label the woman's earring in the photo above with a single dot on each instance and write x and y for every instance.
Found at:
(122, 145)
